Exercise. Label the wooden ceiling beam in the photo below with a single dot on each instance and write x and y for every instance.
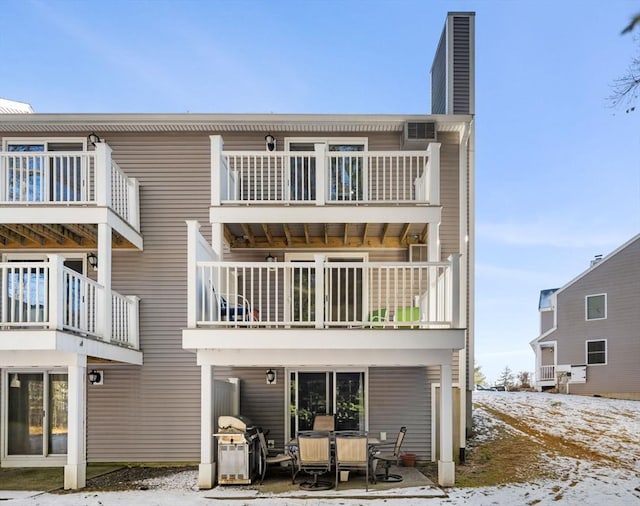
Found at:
(345, 235)
(287, 233)
(307, 240)
(365, 231)
(405, 233)
(8, 235)
(50, 234)
(228, 236)
(248, 233)
(326, 233)
(267, 233)
(424, 234)
(385, 232)
(21, 230)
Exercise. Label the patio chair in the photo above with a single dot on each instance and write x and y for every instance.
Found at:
(409, 314)
(377, 315)
(234, 308)
(352, 453)
(314, 458)
(390, 458)
(266, 459)
(324, 423)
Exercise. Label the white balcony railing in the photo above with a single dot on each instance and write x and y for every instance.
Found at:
(47, 295)
(547, 373)
(64, 178)
(325, 177)
(324, 294)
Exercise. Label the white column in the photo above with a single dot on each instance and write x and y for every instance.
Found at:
(319, 299)
(104, 279)
(133, 193)
(216, 169)
(76, 468)
(446, 465)
(321, 173)
(433, 152)
(103, 174)
(207, 468)
(56, 282)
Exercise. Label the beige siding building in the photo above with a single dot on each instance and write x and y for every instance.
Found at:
(590, 338)
(307, 264)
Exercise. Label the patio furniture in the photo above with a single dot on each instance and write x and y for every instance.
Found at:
(377, 315)
(390, 458)
(266, 459)
(324, 423)
(235, 308)
(314, 458)
(410, 314)
(352, 453)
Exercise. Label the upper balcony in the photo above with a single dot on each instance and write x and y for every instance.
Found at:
(41, 190)
(42, 301)
(314, 174)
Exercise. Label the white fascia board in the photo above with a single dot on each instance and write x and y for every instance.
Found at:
(333, 340)
(325, 214)
(324, 358)
(48, 341)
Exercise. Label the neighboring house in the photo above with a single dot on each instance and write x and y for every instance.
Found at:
(333, 252)
(589, 341)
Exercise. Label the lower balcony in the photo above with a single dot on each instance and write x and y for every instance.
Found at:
(53, 303)
(324, 294)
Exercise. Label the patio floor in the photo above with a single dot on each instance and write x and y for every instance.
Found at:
(278, 484)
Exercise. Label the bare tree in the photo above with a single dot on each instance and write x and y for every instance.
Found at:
(625, 89)
(524, 379)
(478, 376)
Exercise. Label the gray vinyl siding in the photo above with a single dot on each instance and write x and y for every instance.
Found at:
(439, 77)
(546, 321)
(449, 194)
(461, 65)
(401, 396)
(152, 413)
(618, 277)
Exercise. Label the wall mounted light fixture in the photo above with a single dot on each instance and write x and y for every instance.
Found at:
(272, 377)
(93, 138)
(93, 260)
(15, 381)
(271, 142)
(95, 377)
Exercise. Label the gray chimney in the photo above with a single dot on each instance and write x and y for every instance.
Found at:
(453, 68)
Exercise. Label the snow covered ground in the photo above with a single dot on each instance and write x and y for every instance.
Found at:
(594, 452)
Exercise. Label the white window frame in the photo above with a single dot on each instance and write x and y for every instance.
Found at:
(49, 460)
(606, 351)
(43, 141)
(586, 306)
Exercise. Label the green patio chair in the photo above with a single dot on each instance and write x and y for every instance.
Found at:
(377, 315)
(407, 314)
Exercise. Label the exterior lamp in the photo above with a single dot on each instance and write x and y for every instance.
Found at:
(270, 258)
(15, 381)
(93, 260)
(95, 377)
(271, 142)
(93, 138)
(272, 377)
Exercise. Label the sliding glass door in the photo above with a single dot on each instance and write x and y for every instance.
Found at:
(341, 393)
(37, 413)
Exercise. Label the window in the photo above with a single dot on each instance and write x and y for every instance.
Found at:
(597, 352)
(596, 307)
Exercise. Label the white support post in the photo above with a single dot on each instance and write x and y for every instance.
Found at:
(446, 465)
(193, 229)
(433, 152)
(456, 292)
(104, 302)
(134, 202)
(207, 468)
(56, 281)
(433, 242)
(236, 395)
(76, 468)
(319, 300)
(321, 174)
(103, 174)
(216, 169)
(134, 321)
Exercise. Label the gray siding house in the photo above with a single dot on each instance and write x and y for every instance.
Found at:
(155, 267)
(589, 341)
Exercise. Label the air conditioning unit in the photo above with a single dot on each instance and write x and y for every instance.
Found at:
(418, 134)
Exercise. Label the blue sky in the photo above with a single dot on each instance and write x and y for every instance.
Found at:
(557, 170)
